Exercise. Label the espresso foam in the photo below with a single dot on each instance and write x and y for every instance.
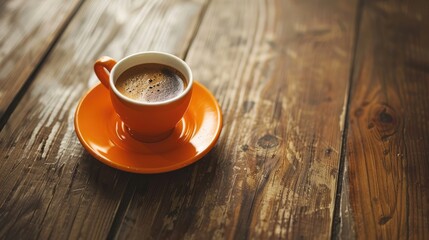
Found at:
(151, 82)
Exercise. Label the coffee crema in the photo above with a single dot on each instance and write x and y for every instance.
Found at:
(151, 82)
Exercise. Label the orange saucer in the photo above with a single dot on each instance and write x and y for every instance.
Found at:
(102, 133)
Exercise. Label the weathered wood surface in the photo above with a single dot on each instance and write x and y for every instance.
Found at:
(280, 71)
(387, 189)
(28, 30)
(50, 186)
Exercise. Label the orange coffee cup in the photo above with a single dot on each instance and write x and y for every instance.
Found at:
(145, 121)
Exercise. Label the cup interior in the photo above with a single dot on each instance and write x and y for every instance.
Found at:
(151, 57)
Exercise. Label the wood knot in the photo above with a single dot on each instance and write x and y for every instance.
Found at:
(268, 141)
(383, 220)
(385, 117)
(247, 106)
(245, 147)
(328, 152)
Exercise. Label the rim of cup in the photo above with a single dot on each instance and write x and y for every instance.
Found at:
(188, 76)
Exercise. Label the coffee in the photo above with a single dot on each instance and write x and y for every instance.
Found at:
(151, 82)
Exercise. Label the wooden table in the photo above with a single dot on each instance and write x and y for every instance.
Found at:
(326, 120)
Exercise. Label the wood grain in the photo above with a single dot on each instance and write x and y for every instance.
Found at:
(28, 30)
(388, 144)
(280, 71)
(50, 186)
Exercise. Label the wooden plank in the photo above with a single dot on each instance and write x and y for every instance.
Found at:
(388, 144)
(280, 71)
(50, 186)
(28, 30)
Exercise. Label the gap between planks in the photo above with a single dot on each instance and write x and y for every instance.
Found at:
(197, 27)
(336, 220)
(17, 98)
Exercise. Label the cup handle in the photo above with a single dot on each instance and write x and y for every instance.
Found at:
(102, 68)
